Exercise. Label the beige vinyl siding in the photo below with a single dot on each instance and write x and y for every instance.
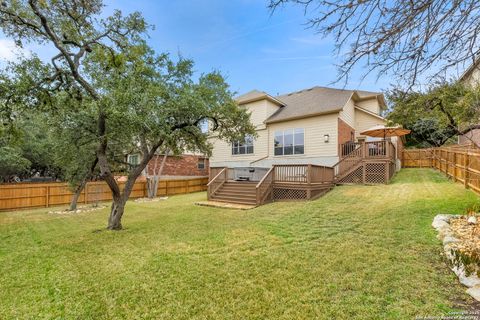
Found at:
(316, 149)
(222, 150)
(271, 108)
(260, 111)
(473, 79)
(371, 105)
(348, 113)
(314, 129)
(365, 121)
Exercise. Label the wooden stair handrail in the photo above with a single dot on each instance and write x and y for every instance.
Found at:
(211, 192)
(261, 197)
(264, 177)
(214, 178)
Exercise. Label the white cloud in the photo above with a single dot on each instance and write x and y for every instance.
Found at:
(9, 51)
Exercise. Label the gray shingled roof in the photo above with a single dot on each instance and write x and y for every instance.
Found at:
(251, 95)
(313, 101)
(255, 95)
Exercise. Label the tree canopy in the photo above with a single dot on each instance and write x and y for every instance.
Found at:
(436, 116)
(108, 88)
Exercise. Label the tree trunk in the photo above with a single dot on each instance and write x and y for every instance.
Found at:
(76, 195)
(81, 186)
(152, 182)
(116, 213)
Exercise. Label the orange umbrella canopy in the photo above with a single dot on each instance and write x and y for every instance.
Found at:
(383, 132)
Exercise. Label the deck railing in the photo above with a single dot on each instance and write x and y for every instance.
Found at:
(368, 149)
(320, 174)
(302, 173)
(350, 160)
(217, 182)
(290, 173)
(360, 151)
(264, 188)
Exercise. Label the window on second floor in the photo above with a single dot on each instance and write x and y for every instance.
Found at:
(243, 147)
(288, 142)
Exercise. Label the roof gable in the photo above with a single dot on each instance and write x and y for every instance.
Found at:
(256, 95)
(315, 101)
(309, 102)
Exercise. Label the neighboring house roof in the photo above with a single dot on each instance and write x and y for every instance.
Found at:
(469, 70)
(315, 101)
(256, 95)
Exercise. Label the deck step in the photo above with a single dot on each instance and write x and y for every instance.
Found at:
(234, 185)
(221, 199)
(234, 197)
(231, 189)
(252, 197)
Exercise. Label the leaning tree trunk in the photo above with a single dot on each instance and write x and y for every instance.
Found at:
(76, 195)
(81, 186)
(119, 201)
(152, 182)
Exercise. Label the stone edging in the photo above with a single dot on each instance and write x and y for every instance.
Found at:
(441, 223)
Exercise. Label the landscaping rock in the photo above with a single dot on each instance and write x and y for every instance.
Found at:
(441, 221)
(151, 199)
(472, 220)
(81, 209)
(474, 292)
(451, 241)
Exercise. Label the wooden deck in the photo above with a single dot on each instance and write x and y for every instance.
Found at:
(360, 163)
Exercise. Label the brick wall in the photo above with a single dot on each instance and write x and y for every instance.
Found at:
(184, 165)
(345, 133)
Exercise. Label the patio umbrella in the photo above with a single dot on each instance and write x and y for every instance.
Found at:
(383, 132)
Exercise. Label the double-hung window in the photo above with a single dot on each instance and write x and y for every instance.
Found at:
(201, 163)
(288, 142)
(243, 147)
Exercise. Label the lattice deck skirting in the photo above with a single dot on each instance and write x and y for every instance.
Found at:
(295, 191)
(369, 172)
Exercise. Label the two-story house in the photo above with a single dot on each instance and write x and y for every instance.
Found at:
(304, 127)
(313, 127)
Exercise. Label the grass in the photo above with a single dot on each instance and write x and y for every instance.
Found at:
(359, 252)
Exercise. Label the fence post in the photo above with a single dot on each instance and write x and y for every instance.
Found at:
(446, 163)
(454, 166)
(47, 196)
(85, 193)
(466, 166)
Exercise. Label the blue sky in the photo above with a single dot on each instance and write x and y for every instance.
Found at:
(251, 47)
(241, 38)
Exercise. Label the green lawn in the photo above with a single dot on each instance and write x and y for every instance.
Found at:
(360, 252)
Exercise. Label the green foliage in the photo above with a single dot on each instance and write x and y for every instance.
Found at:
(437, 115)
(12, 163)
(113, 89)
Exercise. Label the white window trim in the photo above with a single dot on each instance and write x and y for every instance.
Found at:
(283, 144)
(245, 146)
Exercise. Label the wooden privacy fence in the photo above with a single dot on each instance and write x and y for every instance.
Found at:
(31, 195)
(461, 164)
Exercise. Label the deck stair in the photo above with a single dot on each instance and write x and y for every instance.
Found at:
(242, 192)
